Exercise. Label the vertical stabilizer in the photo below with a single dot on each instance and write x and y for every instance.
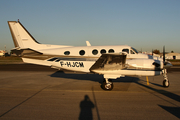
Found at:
(21, 37)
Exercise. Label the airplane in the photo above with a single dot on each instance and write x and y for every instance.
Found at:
(110, 61)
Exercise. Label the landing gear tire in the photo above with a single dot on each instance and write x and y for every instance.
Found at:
(165, 83)
(107, 86)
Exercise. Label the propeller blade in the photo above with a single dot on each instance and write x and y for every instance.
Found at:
(152, 52)
(166, 63)
(164, 54)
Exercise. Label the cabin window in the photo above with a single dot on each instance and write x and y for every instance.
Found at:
(95, 52)
(111, 51)
(103, 51)
(82, 52)
(125, 50)
(66, 53)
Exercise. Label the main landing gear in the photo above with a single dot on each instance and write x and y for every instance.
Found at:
(107, 84)
(165, 81)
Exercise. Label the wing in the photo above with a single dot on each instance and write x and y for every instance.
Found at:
(109, 62)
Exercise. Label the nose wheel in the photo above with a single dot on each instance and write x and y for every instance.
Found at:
(107, 84)
(165, 81)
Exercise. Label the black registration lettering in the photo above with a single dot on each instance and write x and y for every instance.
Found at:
(61, 63)
(81, 64)
(72, 64)
(68, 64)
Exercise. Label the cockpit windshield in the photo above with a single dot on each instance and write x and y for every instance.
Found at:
(134, 50)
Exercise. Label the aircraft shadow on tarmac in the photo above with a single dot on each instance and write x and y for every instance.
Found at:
(91, 77)
(173, 110)
(77, 76)
(99, 78)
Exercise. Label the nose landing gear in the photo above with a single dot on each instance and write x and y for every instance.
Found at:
(165, 81)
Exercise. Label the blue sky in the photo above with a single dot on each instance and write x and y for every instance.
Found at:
(143, 24)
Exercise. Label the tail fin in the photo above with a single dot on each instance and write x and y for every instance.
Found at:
(21, 37)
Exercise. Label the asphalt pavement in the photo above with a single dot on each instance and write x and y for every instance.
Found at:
(33, 92)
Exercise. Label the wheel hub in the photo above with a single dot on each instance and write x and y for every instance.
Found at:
(108, 86)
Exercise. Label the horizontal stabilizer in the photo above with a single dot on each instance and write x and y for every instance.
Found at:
(27, 51)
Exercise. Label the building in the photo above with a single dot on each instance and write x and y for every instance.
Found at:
(173, 56)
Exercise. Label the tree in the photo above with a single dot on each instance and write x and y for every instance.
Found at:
(156, 51)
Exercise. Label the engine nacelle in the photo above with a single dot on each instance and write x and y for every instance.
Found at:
(146, 64)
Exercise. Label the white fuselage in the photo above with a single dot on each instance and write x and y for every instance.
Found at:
(82, 58)
(82, 62)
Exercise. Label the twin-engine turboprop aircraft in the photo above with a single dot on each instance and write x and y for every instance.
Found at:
(110, 61)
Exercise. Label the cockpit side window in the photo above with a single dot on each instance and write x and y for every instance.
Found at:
(125, 50)
(132, 52)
